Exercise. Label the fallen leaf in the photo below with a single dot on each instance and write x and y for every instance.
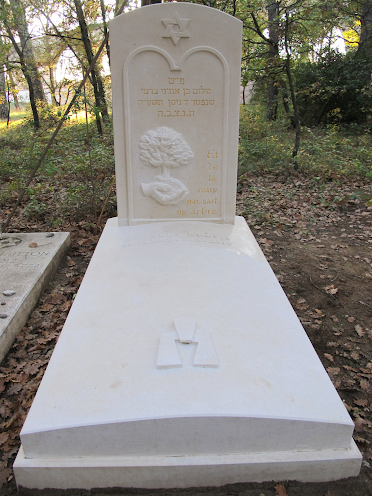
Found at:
(331, 289)
(361, 402)
(46, 307)
(32, 245)
(5, 473)
(359, 330)
(15, 388)
(4, 436)
(334, 318)
(359, 424)
(280, 490)
(364, 384)
(333, 370)
(361, 440)
(319, 312)
(66, 306)
(351, 319)
(347, 367)
(355, 355)
(366, 371)
(32, 368)
(328, 357)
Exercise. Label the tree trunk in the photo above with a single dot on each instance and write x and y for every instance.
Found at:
(365, 25)
(286, 104)
(52, 86)
(27, 49)
(273, 25)
(27, 76)
(4, 108)
(296, 115)
(103, 12)
(149, 2)
(99, 92)
(365, 42)
(12, 85)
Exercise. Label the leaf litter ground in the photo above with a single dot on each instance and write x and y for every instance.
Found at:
(318, 240)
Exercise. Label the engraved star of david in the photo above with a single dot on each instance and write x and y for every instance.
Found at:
(170, 29)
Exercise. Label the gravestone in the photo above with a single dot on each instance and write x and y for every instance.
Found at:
(176, 88)
(181, 362)
(27, 261)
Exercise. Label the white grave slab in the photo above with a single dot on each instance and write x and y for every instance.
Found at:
(25, 270)
(181, 362)
(130, 386)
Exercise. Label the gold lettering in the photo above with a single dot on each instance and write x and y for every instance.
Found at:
(207, 190)
(212, 154)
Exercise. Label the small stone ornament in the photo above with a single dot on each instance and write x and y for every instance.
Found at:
(9, 292)
(3, 316)
(49, 235)
(3, 303)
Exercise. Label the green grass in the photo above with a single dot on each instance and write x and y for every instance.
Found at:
(331, 152)
(64, 183)
(16, 116)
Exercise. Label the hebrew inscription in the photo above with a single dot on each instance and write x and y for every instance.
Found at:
(175, 28)
(186, 99)
(165, 148)
(186, 333)
(184, 94)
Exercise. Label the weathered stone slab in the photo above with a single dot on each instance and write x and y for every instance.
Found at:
(176, 92)
(27, 261)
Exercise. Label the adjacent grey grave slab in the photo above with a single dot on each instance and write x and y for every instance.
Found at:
(25, 270)
(181, 362)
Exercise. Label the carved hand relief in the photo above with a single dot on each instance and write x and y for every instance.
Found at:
(166, 148)
(171, 28)
(186, 334)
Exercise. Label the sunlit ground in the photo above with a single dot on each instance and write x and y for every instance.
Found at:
(17, 116)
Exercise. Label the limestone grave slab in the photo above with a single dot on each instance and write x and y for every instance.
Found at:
(27, 261)
(182, 363)
(176, 92)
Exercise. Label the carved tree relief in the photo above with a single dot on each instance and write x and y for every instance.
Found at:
(166, 148)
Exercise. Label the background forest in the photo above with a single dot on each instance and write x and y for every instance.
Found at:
(306, 94)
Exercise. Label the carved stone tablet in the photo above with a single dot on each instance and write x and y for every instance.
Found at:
(176, 108)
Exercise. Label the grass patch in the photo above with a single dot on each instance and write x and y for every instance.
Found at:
(330, 152)
(64, 184)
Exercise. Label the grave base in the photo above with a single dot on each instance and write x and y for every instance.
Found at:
(186, 471)
(182, 364)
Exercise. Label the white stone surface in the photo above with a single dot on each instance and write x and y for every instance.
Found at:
(25, 270)
(187, 471)
(268, 404)
(175, 81)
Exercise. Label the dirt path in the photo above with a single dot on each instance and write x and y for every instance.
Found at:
(318, 240)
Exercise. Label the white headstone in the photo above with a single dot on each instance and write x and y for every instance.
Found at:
(181, 362)
(175, 80)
